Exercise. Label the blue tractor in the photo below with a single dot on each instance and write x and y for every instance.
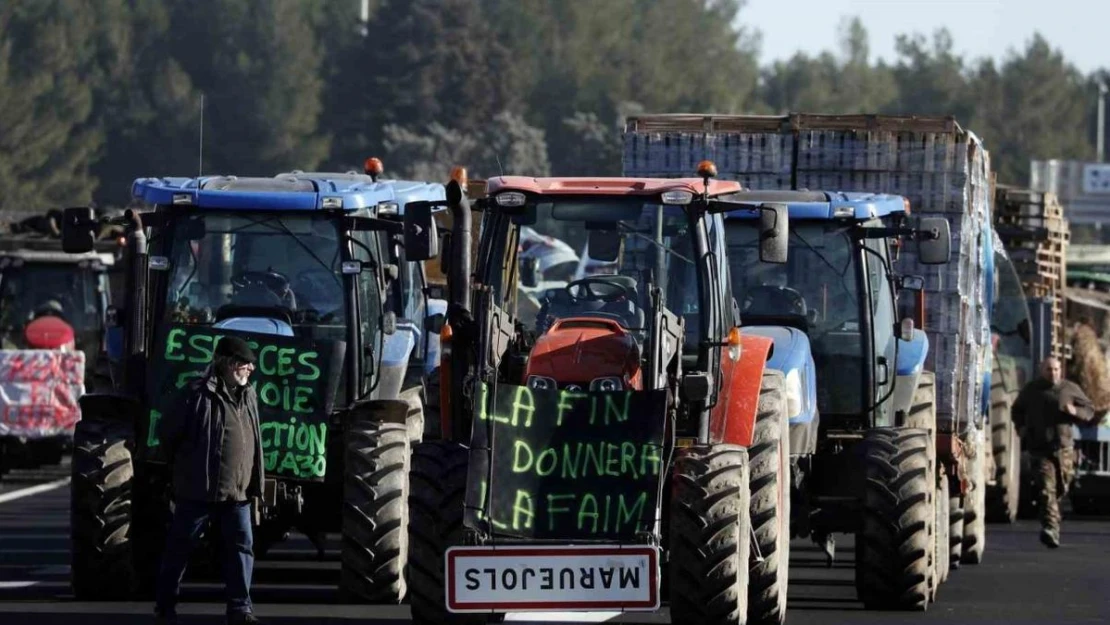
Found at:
(420, 307)
(296, 267)
(863, 420)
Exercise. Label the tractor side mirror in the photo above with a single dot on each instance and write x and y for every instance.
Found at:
(421, 237)
(934, 241)
(78, 230)
(911, 283)
(774, 233)
(529, 272)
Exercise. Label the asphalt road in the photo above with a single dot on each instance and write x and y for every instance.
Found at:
(1019, 581)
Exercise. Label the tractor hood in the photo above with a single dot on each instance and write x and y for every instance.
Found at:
(579, 350)
(792, 356)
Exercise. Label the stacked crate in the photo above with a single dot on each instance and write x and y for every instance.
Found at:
(1032, 226)
(941, 168)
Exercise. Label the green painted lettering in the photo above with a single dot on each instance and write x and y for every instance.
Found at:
(285, 361)
(173, 344)
(587, 508)
(519, 447)
(612, 459)
(552, 509)
(270, 395)
(596, 452)
(302, 398)
(152, 439)
(319, 437)
(302, 439)
(552, 456)
(627, 515)
(523, 403)
(289, 464)
(628, 459)
(270, 460)
(265, 360)
(649, 457)
(566, 402)
(308, 360)
(265, 432)
(523, 507)
(618, 412)
(290, 433)
(201, 345)
(570, 467)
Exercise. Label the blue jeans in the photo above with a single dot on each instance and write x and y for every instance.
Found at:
(234, 521)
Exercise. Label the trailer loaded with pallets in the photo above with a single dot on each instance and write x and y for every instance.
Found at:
(943, 171)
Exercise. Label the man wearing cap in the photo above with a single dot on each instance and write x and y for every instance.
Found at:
(213, 444)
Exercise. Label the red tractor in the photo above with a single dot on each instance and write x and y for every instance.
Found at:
(621, 448)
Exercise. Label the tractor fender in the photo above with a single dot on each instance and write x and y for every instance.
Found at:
(908, 368)
(732, 419)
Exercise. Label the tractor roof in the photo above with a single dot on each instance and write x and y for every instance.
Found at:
(608, 186)
(288, 192)
(819, 205)
(403, 191)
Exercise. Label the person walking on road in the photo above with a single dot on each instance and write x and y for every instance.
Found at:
(1044, 412)
(213, 444)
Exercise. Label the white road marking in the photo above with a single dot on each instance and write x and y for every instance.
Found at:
(13, 585)
(33, 490)
(562, 617)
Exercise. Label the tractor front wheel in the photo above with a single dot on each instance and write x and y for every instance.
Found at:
(710, 536)
(375, 512)
(770, 503)
(893, 547)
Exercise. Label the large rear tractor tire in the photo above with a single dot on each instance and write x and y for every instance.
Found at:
(436, 497)
(431, 406)
(894, 547)
(375, 512)
(100, 510)
(770, 504)
(975, 509)
(710, 536)
(923, 415)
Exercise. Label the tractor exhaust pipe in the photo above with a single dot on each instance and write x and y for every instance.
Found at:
(458, 278)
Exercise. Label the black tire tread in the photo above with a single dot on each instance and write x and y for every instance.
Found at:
(100, 511)
(893, 549)
(436, 497)
(974, 512)
(769, 461)
(375, 513)
(1002, 498)
(710, 536)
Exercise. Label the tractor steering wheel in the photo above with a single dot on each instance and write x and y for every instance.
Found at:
(610, 291)
(271, 281)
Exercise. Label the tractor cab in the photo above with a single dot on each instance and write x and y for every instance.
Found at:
(839, 289)
(408, 298)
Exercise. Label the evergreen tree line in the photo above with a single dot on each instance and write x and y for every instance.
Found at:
(95, 94)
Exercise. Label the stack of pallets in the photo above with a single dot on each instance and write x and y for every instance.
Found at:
(1032, 226)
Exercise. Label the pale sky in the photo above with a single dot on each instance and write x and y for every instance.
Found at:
(1078, 28)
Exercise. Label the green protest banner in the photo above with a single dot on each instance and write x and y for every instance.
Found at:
(293, 379)
(549, 464)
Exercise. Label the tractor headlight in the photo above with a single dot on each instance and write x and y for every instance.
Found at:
(541, 383)
(793, 393)
(607, 385)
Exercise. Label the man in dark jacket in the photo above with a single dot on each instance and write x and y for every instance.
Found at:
(1044, 412)
(213, 444)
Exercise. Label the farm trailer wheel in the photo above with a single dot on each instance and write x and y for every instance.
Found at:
(893, 548)
(955, 530)
(375, 504)
(436, 497)
(769, 486)
(710, 536)
(1002, 497)
(100, 510)
(944, 541)
(974, 511)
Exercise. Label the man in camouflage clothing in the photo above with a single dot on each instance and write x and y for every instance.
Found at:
(1044, 412)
